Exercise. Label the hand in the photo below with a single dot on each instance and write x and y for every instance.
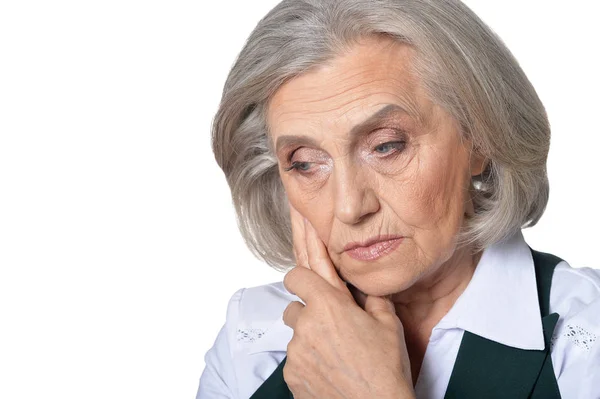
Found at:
(343, 346)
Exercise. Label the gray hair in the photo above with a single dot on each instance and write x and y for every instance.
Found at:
(463, 66)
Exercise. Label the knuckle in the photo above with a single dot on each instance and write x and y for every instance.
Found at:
(292, 350)
(291, 310)
(290, 372)
(289, 375)
(286, 311)
(288, 278)
(304, 326)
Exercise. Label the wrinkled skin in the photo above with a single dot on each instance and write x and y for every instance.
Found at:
(346, 344)
(407, 174)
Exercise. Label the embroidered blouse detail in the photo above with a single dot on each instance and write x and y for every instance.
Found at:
(249, 335)
(580, 337)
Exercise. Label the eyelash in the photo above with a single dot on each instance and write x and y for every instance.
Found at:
(295, 166)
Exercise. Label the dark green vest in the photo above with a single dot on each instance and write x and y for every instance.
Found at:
(485, 368)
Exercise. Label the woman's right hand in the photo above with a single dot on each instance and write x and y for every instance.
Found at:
(345, 345)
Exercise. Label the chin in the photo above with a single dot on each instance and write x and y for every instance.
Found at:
(380, 282)
(387, 275)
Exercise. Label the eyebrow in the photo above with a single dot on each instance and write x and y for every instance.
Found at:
(367, 125)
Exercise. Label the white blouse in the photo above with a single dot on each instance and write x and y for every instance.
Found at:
(254, 339)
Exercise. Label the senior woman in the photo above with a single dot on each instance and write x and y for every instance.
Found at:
(392, 151)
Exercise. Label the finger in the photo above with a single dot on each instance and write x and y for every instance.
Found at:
(378, 306)
(372, 304)
(319, 260)
(298, 237)
(359, 297)
(291, 314)
(307, 285)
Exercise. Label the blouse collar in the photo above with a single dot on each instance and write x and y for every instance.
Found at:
(501, 302)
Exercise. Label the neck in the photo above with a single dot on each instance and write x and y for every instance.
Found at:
(424, 304)
(440, 289)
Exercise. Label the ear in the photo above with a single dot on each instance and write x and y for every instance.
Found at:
(478, 163)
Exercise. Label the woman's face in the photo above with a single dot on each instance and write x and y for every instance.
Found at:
(364, 165)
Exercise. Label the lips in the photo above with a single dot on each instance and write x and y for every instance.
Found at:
(374, 248)
(371, 241)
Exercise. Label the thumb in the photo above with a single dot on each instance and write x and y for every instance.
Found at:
(372, 304)
(358, 295)
(379, 305)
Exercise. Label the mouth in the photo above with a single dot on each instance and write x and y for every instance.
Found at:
(374, 248)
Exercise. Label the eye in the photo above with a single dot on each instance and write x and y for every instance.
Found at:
(388, 147)
(300, 166)
(304, 161)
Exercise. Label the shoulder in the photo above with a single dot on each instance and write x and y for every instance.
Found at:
(262, 304)
(255, 312)
(582, 282)
(258, 322)
(254, 318)
(259, 338)
(575, 296)
(251, 343)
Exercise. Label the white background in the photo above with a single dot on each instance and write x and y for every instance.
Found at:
(118, 243)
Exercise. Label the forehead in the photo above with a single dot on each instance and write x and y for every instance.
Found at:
(373, 73)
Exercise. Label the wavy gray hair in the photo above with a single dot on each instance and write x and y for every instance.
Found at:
(463, 66)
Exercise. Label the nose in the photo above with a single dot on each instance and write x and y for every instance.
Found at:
(355, 198)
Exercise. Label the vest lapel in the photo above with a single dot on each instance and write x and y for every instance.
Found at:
(488, 369)
(546, 386)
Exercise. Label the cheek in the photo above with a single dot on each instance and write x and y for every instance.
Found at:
(312, 204)
(429, 197)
